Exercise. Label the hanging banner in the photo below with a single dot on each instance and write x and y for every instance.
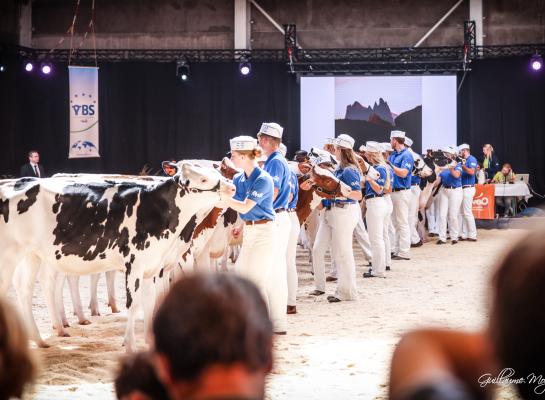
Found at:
(83, 112)
(483, 202)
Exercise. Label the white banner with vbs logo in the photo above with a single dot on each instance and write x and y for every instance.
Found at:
(83, 112)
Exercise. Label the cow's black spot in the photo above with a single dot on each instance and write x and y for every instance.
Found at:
(87, 225)
(128, 268)
(157, 213)
(229, 217)
(23, 183)
(58, 254)
(102, 256)
(187, 232)
(161, 272)
(4, 209)
(136, 284)
(153, 279)
(132, 258)
(31, 194)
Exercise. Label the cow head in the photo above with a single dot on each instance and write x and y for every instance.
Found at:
(201, 179)
(227, 168)
(420, 167)
(328, 185)
(316, 153)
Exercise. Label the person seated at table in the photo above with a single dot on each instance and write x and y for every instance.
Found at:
(491, 162)
(506, 203)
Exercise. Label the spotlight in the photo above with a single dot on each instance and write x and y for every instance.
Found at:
(46, 68)
(536, 62)
(29, 66)
(245, 68)
(182, 70)
(2, 68)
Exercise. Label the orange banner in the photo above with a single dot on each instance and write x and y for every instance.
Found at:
(483, 202)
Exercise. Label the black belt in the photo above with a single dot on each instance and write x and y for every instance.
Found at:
(451, 187)
(399, 189)
(258, 222)
(466, 186)
(279, 210)
(415, 184)
(372, 196)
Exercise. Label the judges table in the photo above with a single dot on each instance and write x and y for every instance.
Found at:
(483, 201)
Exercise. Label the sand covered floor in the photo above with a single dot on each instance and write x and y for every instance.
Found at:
(339, 350)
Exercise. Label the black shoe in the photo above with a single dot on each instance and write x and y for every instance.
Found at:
(417, 244)
(396, 257)
(432, 234)
(454, 242)
(316, 292)
(441, 242)
(331, 279)
(291, 310)
(471, 240)
(461, 239)
(388, 268)
(369, 275)
(281, 333)
(333, 299)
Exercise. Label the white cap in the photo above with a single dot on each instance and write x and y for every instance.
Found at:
(397, 134)
(372, 147)
(283, 149)
(463, 146)
(243, 143)
(408, 141)
(344, 141)
(330, 140)
(386, 147)
(271, 129)
(449, 150)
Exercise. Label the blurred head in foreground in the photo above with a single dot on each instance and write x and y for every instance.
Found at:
(213, 338)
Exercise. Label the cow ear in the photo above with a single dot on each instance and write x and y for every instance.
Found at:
(168, 167)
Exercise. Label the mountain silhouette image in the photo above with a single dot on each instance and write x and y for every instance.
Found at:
(380, 113)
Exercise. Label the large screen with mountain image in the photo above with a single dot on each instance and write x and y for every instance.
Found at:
(370, 107)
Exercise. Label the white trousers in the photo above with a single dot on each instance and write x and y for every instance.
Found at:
(468, 228)
(389, 230)
(291, 258)
(433, 213)
(337, 228)
(362, 237)
(413, 213)
(401, 201)
(451, 201)
(257, 257)
(278, 295)
(377, 224)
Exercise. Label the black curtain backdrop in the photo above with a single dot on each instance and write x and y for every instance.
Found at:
(502, 102)
(146, 114)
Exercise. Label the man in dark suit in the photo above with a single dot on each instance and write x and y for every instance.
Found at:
(33, 168)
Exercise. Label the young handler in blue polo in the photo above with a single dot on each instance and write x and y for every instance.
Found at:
(468, 230)
(402, 163)
(253, 199)
(451, 197)
(269, 138)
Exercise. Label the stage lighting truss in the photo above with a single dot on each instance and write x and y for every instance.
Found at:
(421, 60)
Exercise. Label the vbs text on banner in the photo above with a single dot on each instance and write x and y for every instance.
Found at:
(83, 112)
(483, 202)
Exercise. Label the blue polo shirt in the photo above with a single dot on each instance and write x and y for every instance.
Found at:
(381, 181)
(294, 188)
(352, 177)
(277, 167)
(447, 179)
(402, 159)
(259, 188)
(471, 162)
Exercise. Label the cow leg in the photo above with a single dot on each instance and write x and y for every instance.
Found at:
(59, 280)
(93, 304)
(49, 277)
(73, 283)
(201, 261)
(23, 280)
(8, 261)
(110, 284)
(133, 282)
(151, 295)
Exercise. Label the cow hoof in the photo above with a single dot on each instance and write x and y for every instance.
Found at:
(64, 334)
(115, 310)
(95, 314)
(66, 325)
(42, 345)
(85, 322)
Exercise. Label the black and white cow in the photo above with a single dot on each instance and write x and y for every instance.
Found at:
(83, 226)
